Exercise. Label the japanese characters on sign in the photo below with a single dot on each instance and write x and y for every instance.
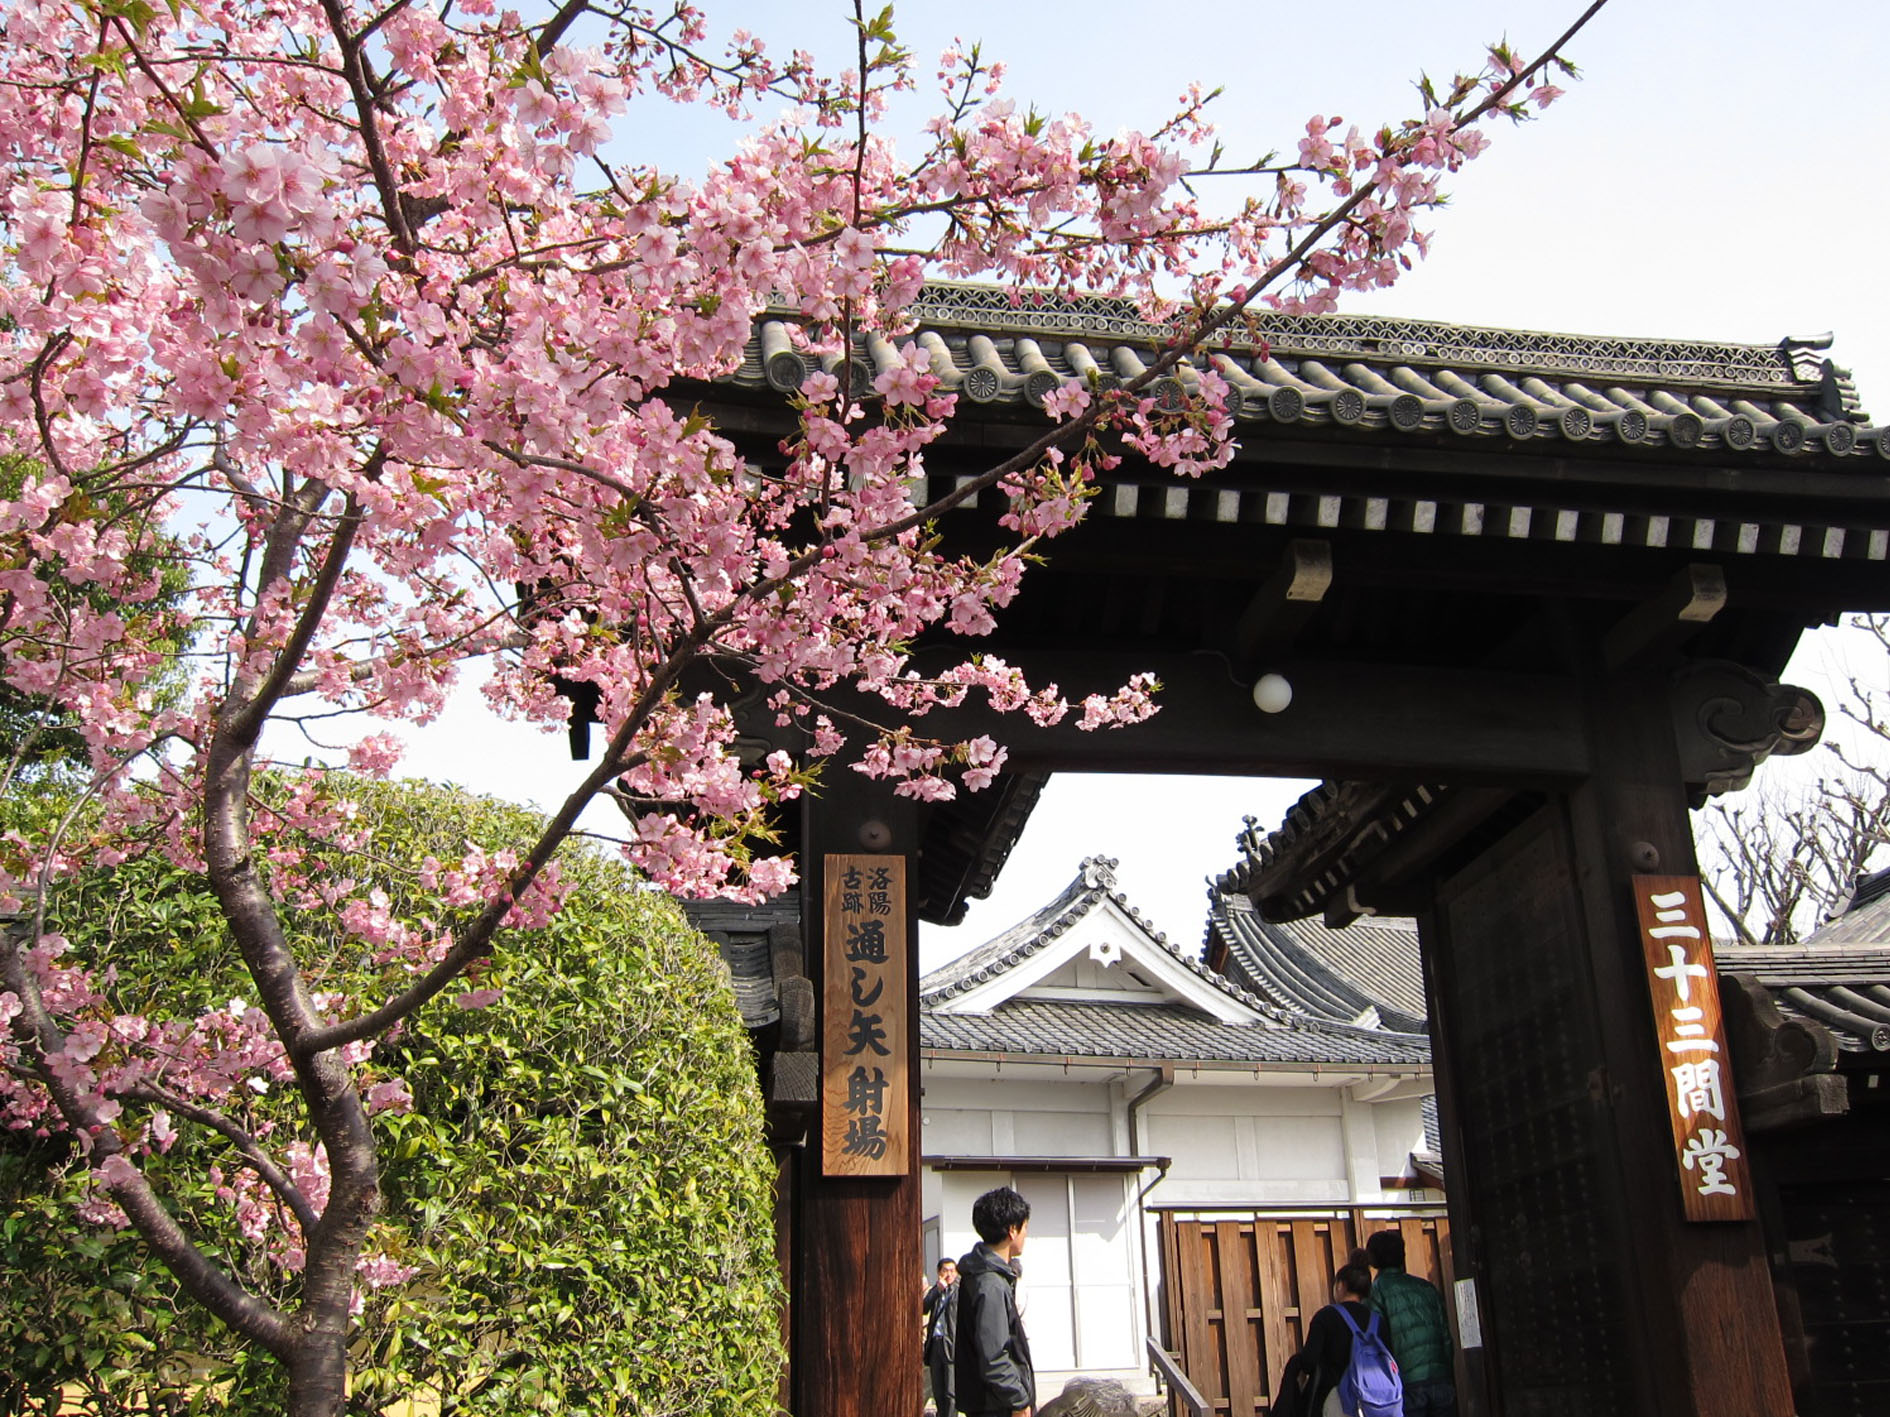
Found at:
(1709, 1144)
(865, 1108)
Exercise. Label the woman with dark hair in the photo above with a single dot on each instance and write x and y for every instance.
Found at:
(1310, 1385)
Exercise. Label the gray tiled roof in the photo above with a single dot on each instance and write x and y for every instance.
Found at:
(1839, 975)
(1866, 920)
(1430, 1160)
(1159, 1033)
(1406, 377)
(1166, 1032)
(1305, 967)
(1019, 942)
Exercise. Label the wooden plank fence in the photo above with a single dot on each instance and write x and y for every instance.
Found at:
(1239, 1288)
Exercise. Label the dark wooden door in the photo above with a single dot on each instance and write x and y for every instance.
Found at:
(1837, 1252)
(1531, 1107)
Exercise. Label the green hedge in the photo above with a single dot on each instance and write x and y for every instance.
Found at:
(582, 1185)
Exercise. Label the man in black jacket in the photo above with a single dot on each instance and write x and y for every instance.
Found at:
(941, 1335)
(995, 1378)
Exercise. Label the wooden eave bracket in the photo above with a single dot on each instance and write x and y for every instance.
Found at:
(1281, 607)
(1728, 719)
(1784, 1067)
(1659, 626)
(1381, 882)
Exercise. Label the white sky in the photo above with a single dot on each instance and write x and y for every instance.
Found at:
(1718, 174)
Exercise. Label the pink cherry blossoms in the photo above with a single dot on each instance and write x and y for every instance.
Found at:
(378, 344)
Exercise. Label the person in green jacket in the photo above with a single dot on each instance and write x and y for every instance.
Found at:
(1418, 1330)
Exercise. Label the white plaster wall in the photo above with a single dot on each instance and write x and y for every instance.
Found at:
(969, 1117)
(1400, 1128)
(1248, 1146)
(955, 1132)
(1081, 1280)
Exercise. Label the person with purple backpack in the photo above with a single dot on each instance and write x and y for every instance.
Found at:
(1343, 1369)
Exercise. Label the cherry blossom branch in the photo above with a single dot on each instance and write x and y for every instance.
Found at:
(54, 345)
(584, 470)
(34, 1027)
(85, 136)
(553, 29)
(307, 681)
(239, 1137)
(1178, 350)
(177, 106)
(374, 24)
(349, 300)
(354, 72)
(476, 942)
(246, 722)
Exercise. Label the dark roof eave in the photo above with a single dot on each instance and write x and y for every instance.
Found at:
(1048, 1163)
(1180, 1065)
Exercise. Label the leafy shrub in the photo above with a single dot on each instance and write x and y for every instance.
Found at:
(582, 1184)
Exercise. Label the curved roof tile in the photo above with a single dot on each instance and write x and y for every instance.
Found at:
(1369, 372)
(1307, 968)
(1839, 975)
(1160, 1033)
(1166, 1032)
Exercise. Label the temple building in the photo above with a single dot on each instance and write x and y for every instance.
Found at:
(1135, 1096)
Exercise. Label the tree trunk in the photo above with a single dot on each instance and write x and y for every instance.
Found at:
(318, 1374)
(318, 1366)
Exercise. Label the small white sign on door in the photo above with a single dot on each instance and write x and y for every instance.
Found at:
(1469, 1326)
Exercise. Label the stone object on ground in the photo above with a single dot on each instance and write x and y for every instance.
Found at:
(1093, 1397)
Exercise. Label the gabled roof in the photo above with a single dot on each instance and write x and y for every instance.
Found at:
(1369, 969)
(983, 1003)
(1041, 942)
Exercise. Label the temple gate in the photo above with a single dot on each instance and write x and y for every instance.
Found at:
(1529, 597)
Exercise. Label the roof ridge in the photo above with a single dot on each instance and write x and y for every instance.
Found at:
(1096, 874)
(1071, 1030)
(976, 966)
(1405, 337)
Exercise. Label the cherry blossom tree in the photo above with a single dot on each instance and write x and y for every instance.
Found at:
(363, 316)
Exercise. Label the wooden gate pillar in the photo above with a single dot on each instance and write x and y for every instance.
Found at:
(857, 1266)
(1597, 1294)
(1705, 1286)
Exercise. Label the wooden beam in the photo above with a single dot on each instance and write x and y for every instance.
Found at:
(1407, 856)
(1656, 627)
(1281, 607)
(1370, 722)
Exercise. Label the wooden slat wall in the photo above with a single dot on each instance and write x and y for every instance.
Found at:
(1240, 1335)
(1240, 1288)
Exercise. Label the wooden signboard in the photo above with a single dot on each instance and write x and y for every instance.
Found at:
(1709, 1144)
(864, 1107)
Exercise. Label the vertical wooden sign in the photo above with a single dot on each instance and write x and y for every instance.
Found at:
(864, 1108)
(1709, 1143)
